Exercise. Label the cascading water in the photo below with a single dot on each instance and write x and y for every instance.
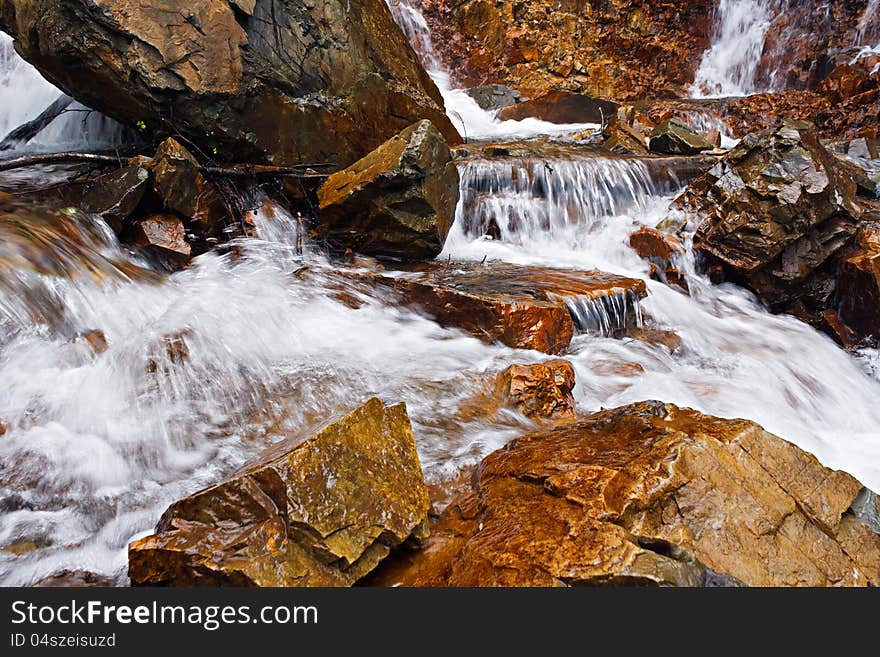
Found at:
(472, 121)
(728, 67)
(77, 127)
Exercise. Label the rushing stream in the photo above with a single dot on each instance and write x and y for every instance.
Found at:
(205, 367)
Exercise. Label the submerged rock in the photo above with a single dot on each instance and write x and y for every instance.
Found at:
(75, 579)
(649, 494)
(397, 202)
(116, 195)
(522, 307)
(676, 138)
(541, 390)
(323, 512)
(285, 83)
(562, 107)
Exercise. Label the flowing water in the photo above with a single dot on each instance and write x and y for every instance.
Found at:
(204, 368)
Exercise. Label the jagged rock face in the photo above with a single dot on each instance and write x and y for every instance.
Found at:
(540, 390)
(620, 49)
(674, 138)
(281, 81)
(773, 211)
(649, 494)
(859, 284)
(397, 202)
(320, 513)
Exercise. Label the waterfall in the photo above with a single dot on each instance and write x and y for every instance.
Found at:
(77, 127)
(728, 67)
(868, 31)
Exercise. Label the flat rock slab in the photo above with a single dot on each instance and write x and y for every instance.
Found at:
(522, 307)
(322, 512)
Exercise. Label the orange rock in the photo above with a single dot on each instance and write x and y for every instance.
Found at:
(96, 340)
(858, 288)
(522, 307)
(163, 231)
(651, 243)
(648, 494)
(541, 390)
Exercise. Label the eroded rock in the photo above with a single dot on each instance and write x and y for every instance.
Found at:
(540, 390)
(649, 494)
(675, 138)
(161, 231)
(522, 307)
(397, 202)
(323, 512)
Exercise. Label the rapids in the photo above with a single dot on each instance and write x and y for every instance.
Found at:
(97, 444)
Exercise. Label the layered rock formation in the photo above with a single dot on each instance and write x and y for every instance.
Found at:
(322, 512)
(649, 494)
(281, 82)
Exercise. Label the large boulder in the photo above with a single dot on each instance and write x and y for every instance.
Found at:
(268, 80)
(773, 211)
(649, 494)
(397, 202)
(322, 512)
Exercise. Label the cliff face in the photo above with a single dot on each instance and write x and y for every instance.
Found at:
(628, 49)
(623, 49)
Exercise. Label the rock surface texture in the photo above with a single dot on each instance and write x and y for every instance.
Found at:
(322, 512)
(279, 81)
(649, 494)
(397, 202)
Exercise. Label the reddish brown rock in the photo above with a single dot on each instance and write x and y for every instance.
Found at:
(323, 512)
(96, 340)
(648, 494)
(669, 339)
(541, 390)
(161, 231)
(180, 187)
(75, 579)
(562, 107)
(522, 307)
(621, 137)
(663, 251)
(622, 49)
(281, 83)
(675, 138)
(117, 194)
(858, 290)
(397, 202)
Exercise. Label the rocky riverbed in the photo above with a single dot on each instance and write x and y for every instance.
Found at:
(439, 294)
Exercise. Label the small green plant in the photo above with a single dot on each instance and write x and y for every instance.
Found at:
(141, 125)
(215, 150)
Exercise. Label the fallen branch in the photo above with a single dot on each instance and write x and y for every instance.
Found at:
(230, 171)
(57, 158)
(27, 131)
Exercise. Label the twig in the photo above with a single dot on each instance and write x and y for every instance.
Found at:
(54, 158)
(27, 131)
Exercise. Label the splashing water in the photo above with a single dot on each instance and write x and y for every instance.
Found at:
(77, 127)
(728, 67)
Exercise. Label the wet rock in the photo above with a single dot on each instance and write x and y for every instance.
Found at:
(2, 429)
(664, 337)
(522, 307)
(492, 97)
(179, 185)
(116, 195)
(284, 83)
(96, 340)
(75, 579)
(161, 231)
(648, 494)
(541, 390)
(664, 252)
(562, 107)
(397, 202)
(675, 138)
(858, 289)
(323, 512)
(863, 147)
(773, 210)
(621, 137)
